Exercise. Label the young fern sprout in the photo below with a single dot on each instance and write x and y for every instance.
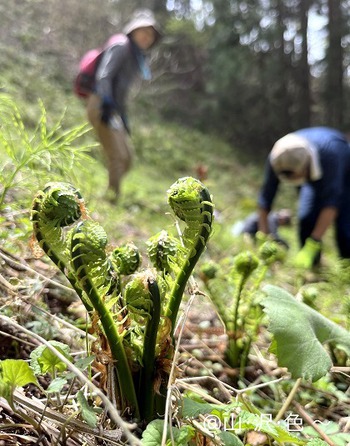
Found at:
(191, 202)
(136, 294)
(162, 251)
(59, 205)
(269, 252)
(82, 258)
(143, 300)
(126, 259)
(245, 264)
(135, 312)
(92, 268)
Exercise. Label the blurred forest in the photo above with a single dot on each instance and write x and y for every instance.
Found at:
(242, 69)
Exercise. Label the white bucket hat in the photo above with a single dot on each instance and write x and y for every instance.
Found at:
(142, 18)
(293, 153)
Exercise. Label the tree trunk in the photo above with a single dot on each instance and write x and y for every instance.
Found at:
(284, 79)
(304, 70)
(335, 70)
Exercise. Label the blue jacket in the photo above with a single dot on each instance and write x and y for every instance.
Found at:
(334, 186)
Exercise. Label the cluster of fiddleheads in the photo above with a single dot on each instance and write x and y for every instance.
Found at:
(136, 310)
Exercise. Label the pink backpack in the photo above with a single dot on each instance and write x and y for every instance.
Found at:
(85, 80)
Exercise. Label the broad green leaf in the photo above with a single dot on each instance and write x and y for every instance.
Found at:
(5, 390)
(229, 439)
(17, 373)
(192, 408)
(183, 435)
(87, 411)
(56, 385)
(49, 361)
(82, 364)
(300, 333)
(332, 430)
(153, 434)
(43, 360)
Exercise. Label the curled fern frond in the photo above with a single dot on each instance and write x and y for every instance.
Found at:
(184, 197)
(162, 250)
(245, 263)
(89, 259)
(126, 259)
(271, 252)
(191, 202)
(59, 203)
(137, 295)
(209, 271)
(93, 240)
(93, 270)
(57, 206)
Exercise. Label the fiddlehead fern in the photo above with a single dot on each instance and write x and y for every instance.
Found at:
(92, 269)
(146, 391)
(191, 203)
(126, 259)
(136, 315)
(89, 259)
(245, 264)
(57, 206)
(162, 251)
(60, 203)
(137, 297)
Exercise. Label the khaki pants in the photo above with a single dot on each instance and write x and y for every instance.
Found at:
(114, 141)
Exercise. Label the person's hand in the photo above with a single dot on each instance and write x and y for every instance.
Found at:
(309, 254)
(107, 109)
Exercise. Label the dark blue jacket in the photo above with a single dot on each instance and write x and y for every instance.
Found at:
(334, 186)
(121, 64)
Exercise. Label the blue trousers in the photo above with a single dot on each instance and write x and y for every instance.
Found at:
(309, 210)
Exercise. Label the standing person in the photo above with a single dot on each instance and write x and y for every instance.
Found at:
(122, 62)
(317, 160)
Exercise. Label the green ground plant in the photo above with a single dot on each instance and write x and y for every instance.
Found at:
(46, 153)
(233, 287)
(133, 313)
(299, 331)
(251, 309)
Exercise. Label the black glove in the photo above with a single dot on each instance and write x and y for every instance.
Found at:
(107, 109)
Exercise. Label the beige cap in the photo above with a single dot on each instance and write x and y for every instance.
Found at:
(290, 154)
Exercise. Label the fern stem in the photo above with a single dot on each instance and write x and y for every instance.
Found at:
(195, 252)
(237, 302)
(125, 381)
(146, 390)
(232, 351)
